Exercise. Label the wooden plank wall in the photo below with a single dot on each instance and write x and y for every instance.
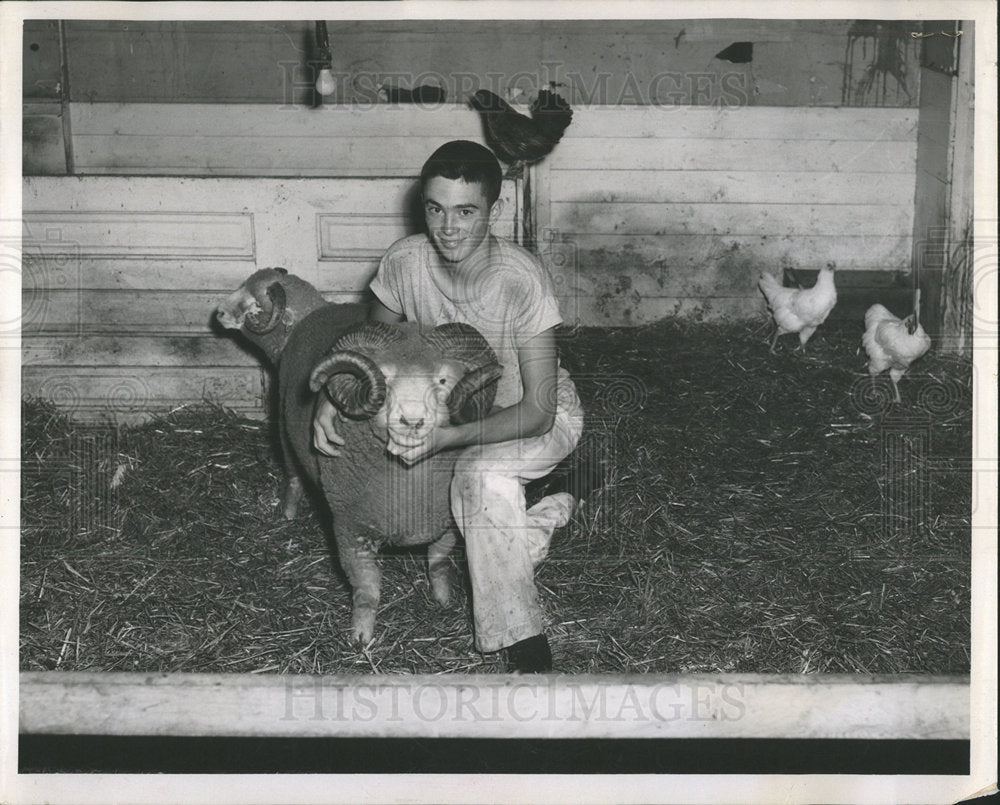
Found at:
(261, 140)
(650, 212)
(642, 213)
(944, 178)
(933, 183)
(796, 62)
(122, 273)
(960, 308)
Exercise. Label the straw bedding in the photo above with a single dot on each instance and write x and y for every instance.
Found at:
(757, 513)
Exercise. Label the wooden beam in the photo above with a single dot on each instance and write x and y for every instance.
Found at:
(837, 706)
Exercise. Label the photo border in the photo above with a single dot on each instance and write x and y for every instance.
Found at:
(497, 788)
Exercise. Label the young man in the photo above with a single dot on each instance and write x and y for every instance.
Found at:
(460, 272)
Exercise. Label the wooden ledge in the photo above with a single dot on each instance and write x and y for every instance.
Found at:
(839, 706)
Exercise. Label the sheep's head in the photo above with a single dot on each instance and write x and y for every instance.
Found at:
(267, 305)
(409, 382)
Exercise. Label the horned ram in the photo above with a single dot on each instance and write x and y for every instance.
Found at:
(392, 385)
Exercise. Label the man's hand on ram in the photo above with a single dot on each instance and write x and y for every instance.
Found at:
(325, 436)
(441, 438)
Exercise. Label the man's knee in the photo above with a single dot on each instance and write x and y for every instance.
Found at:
(476, 481)
(469, 472)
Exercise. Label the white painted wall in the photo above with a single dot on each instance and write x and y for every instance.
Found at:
(640, 213)
(122, 275)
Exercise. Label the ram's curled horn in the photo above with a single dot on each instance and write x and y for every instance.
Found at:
(473, 395)
(274, 310)
(372, 335)
(354, 382)
(352, 379)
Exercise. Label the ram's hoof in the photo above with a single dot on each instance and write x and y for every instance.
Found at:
(363, 627)
(290, 499)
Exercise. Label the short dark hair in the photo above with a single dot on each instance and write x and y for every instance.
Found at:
(468, 161)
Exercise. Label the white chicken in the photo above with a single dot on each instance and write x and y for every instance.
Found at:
(800, 310)
(893, 343)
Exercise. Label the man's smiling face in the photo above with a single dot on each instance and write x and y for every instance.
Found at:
(458, 216)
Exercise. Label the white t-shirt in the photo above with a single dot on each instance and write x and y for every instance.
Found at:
(509, 301)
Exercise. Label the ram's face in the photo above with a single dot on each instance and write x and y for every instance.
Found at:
(416, 402)
(250, 297)
(237, 306)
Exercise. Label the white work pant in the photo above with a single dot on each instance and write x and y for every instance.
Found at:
(503, 540)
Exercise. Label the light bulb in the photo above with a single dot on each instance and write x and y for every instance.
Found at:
(326, 84)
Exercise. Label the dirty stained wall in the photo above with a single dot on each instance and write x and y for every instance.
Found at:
(656, 214)
(608, 62)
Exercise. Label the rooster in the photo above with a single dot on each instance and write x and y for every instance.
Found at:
(800, 310)
(517, 139)
(893, 343)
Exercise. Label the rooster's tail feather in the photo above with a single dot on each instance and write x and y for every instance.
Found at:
(552, 114)
(877, 313)
(550, 102)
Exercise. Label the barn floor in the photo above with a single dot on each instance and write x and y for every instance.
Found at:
(759, 513)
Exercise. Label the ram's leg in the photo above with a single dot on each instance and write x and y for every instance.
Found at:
(440, 569)
(292, 493)
(360, 563)
(291, 496)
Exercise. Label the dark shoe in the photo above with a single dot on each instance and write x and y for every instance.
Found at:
(580, 474)
(530, 656)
